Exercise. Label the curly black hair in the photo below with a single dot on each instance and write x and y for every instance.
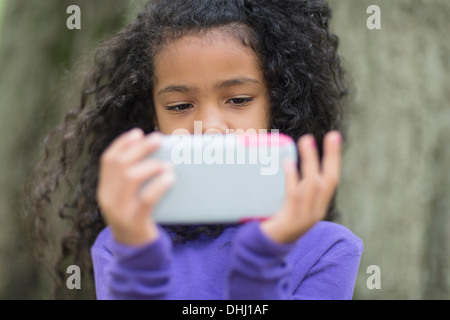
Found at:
(306, 82)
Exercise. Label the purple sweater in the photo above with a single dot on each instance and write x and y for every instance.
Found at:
(242, 263)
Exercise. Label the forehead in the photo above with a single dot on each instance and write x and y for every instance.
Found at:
(208, 54)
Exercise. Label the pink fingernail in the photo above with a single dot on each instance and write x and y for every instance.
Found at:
(337, 137)
(154, 138)
(136, 132)
(313, 142)
(168, 177)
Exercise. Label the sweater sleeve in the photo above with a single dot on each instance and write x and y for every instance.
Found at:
(258, 267)
(333, 276)
(323, 264)
(132, 272)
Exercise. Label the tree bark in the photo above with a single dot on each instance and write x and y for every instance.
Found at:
(395, 185)
(37, 53)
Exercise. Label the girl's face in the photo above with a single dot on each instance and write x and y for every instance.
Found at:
(212, 78)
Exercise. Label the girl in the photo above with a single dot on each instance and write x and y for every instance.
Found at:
(231, 64)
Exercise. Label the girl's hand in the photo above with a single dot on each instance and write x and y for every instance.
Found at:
(123, 169)
(307, 198)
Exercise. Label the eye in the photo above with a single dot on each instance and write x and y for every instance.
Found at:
(240, 101)
(179, 107)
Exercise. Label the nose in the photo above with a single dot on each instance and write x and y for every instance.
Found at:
(211, 119)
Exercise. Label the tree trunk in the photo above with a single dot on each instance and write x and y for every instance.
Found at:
(37, 52)
(395, 185)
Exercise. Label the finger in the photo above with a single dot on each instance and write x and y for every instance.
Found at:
(155, 190)
(331, 163)
(310, 167)
(137, 174)
(138, 151)
(291, 177)
(124, 140)
(309, 157)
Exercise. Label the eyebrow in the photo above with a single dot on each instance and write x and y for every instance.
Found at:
(219, 85)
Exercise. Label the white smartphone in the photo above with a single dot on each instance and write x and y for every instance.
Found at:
(224, 178)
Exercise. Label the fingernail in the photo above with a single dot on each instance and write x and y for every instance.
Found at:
(168, 177)
(312, 142)
(136, 132)
(337, 137)
(154, 137)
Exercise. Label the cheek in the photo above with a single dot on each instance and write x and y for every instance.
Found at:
(257, 118)
(164, 126)
(264, 120)
(161, 122)
(168, 124)
(262, 115)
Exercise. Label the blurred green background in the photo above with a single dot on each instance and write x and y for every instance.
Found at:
(395, 188)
